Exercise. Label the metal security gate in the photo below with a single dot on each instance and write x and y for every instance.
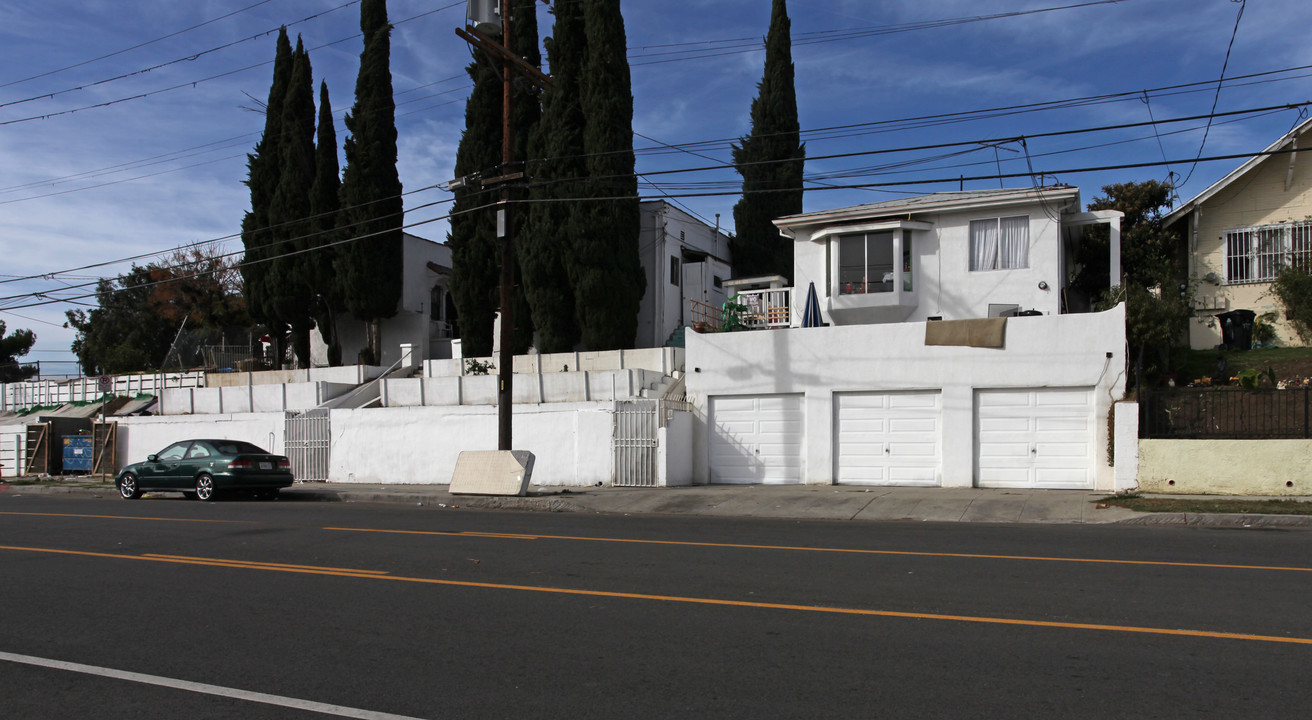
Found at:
(306, 444)
(634, 442)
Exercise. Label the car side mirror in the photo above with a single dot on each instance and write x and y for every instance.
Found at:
(152, 458)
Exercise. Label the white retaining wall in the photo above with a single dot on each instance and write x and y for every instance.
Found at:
(528, 388)
(249, 398)
(665, 360)
(570, 441)
(346, 374)
(139, 436)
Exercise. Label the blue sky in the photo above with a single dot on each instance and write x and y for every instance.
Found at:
(99, 167)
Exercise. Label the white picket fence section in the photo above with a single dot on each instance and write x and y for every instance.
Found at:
(43, 393)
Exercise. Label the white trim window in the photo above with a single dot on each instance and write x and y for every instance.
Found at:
(1000, 243)
(1256, 254)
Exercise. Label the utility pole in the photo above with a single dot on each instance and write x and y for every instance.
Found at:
(480, 36)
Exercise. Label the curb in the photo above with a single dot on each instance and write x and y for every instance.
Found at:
(1231, 520)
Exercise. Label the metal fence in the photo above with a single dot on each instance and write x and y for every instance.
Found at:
(1224, 413)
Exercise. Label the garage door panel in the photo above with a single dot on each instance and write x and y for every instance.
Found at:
(913, 426)
(1004, 424)
(756, 439)
(1046, 450)
(1037, 437)
(913, 450)
(888, 438)
(917, 401)
(864, 425)
(913, 476)
(1058, 478)
(1061, 424)
(1064, 399)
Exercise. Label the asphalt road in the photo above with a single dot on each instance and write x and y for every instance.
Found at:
(312, 610)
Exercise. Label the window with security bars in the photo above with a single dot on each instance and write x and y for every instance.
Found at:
(1256, 254)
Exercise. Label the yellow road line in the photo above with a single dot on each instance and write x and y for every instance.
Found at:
(854, 551)
(741, 546)
(687, 600)
(275, 566)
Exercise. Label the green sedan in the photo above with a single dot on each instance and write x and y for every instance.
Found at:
(203, 468)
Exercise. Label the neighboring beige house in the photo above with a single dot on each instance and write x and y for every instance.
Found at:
(1243, 229)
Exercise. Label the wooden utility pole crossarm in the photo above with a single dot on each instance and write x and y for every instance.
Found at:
(492, 47)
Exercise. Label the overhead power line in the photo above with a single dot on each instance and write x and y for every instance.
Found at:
(45, 300)
(194, 83)
(737, 46)
(116, 53)
(814, 179)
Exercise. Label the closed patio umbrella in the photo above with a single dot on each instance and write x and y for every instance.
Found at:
(811, 311)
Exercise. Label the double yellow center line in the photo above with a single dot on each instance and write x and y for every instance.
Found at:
(382, 575)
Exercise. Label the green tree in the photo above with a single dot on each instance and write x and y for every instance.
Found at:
(606, 272)
(290, 272)
(1158, 303)
(264, 170)
(1293, 288)
(1151, 255)
(556, 166)
(324, 205)
(770, 160)
(372, 207)
(472, 238)
(13, 347)
(139, 313)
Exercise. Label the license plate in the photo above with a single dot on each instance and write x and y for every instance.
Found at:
(266, 466)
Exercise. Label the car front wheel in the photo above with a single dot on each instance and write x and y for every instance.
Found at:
(205, 487)
(128, 487)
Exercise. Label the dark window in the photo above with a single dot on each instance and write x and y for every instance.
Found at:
(718, 281)
(674, 270)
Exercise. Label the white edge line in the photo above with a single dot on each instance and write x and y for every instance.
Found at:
(338, 710)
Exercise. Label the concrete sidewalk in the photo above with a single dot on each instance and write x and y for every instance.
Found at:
(811, 502)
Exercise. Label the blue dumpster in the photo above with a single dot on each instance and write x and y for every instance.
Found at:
(77, 453)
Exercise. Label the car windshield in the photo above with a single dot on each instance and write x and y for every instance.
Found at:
(237, 447)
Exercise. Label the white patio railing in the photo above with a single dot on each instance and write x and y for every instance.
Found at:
(766, 308)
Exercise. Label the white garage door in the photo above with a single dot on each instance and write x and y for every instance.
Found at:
(1035, 438)
(888, 439)
(756, 439)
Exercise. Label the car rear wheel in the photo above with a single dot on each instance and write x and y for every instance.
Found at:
(204, 487)
(128, 487)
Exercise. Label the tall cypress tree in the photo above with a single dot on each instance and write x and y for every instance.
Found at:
(372, 206)
(770, 160)
(264, 167)
(556, 165)
(290, 274)
(526, 114)
(324, 204)
(472, 238)
(606, 272)
(475, 249)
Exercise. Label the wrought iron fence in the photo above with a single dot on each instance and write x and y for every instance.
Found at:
(1224, 413)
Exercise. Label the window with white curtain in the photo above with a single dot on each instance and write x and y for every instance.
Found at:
(1000, 243)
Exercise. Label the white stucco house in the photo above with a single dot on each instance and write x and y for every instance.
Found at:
(943, 357)
(685, 260)
(425, 317)
(1242, 230)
